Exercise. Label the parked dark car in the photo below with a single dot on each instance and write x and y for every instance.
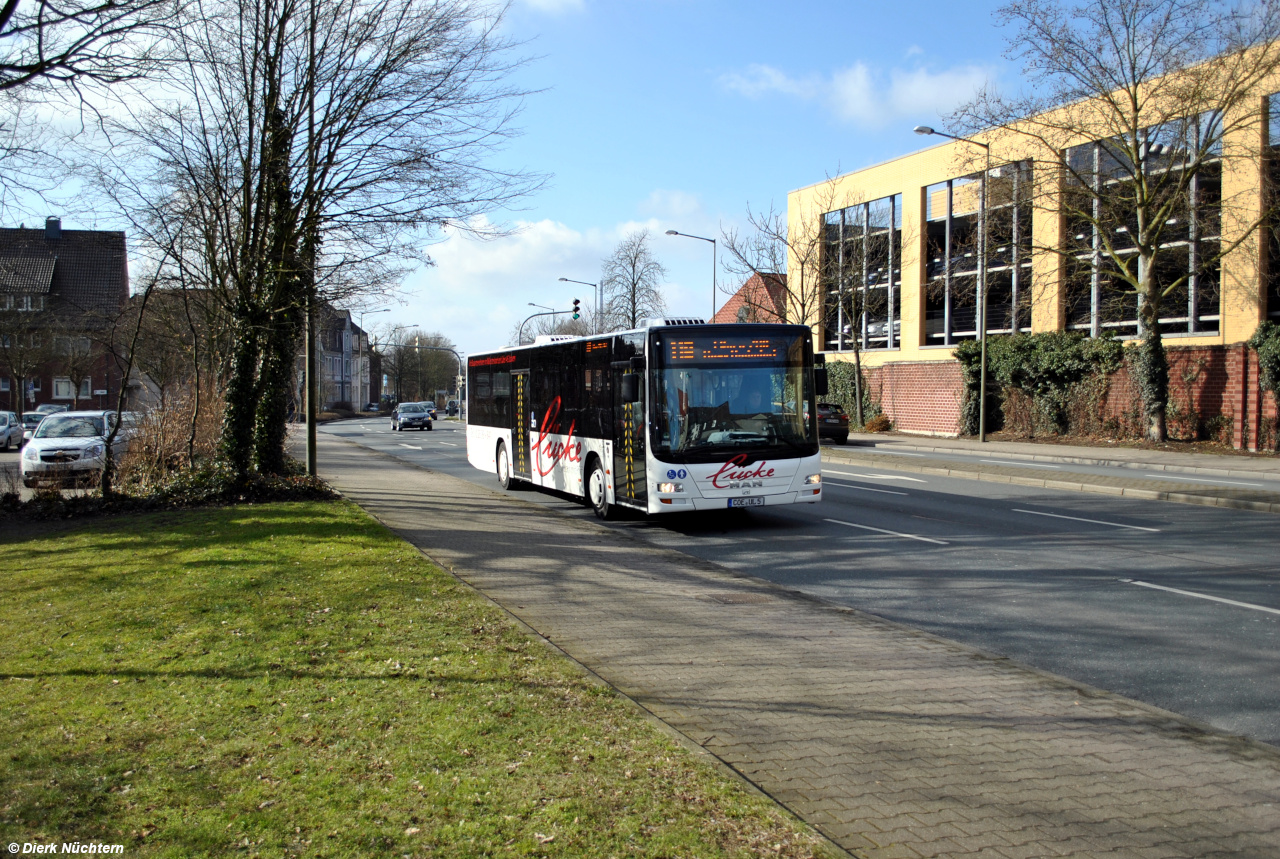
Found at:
(833, 422)
(410, 416)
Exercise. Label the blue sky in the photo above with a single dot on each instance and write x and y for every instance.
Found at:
(678, 114)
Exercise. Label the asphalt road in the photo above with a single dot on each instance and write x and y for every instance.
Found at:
(1071, 583)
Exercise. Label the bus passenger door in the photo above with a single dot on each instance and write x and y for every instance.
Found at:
(520, 421)
(629, 479)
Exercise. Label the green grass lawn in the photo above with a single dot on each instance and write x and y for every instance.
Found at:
(292, 679)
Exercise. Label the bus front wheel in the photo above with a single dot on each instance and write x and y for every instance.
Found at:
(505, 480)
(598, 490)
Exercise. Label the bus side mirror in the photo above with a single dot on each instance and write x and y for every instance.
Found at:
(630, 388)
(820, 381)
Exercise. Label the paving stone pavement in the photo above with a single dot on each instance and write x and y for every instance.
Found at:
(892, 742)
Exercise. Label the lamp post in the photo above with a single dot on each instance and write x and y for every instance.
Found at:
(713, 266)
(599, 298)
(982, 274)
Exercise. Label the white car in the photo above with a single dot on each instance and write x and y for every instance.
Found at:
(10, 430)
(70, 446)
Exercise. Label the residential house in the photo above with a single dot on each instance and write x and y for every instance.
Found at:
(60, 291)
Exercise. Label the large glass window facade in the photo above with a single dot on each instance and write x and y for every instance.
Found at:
(862, 276)
(954, 244)
(1099, 196)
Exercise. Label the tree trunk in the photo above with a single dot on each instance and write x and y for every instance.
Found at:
(1150, 367)
(237, 422)
(274, 384)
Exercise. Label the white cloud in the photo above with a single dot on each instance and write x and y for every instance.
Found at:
(672, 204)
(555, 7)
(862, 96)
(759, 80)
(479, 290)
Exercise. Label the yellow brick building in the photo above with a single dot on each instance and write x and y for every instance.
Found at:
(902, 246)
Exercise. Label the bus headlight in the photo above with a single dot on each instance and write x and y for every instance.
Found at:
(668, 488)
(813, 479)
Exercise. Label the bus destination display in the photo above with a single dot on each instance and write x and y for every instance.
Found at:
(721, 349)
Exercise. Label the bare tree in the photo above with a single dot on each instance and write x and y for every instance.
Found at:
(417, 365)
(1149, 100)
(527, 330)
(44, 43)
(631, 281)
(58, 48)
(313, 148)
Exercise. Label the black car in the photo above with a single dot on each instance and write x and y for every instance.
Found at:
(410, 416)
(833, 422)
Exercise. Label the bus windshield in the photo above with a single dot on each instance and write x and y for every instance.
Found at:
(731, 392)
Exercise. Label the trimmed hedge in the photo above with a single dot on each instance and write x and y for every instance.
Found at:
(1051, 368)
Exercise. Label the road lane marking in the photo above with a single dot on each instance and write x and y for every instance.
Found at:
(875, 476)
(868, 488)
(1201, 480)
(1091, 521)
(1201, 596)
(894, 533)
(1027, 464)
(448, 443)
(410, 446)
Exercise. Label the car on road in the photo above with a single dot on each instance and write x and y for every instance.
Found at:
(50, 408)
(410, 416)
(833, 422)
(11, 431)
(431, 409)
(71, 446)
(30, 420)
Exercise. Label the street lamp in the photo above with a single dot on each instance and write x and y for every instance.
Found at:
(982, 275)
(599, 298)
(543, 306)
(713, 265)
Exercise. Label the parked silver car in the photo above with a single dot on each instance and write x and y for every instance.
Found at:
(11, 430)
(71, 446)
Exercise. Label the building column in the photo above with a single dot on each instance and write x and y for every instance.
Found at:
(914, 259)
(1048, 230)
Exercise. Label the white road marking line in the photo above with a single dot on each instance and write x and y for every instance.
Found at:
(410, 446)
(1011, 462)
(899, 453)
(867, 488)
(1091, 521)
(874, 476)
(893, 533)
(1201, 596)
(448, 443)
(1201, 480)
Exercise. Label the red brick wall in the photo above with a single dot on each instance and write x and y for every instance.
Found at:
(919, 396)
(1213, 390)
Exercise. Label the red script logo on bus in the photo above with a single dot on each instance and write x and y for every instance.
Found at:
(544, 448)
(731, 471)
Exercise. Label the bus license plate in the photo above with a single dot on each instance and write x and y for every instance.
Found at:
(746, 502)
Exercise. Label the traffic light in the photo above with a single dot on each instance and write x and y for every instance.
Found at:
(575, 308)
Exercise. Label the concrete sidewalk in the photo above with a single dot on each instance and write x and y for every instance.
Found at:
(890, 741)
(874, 449)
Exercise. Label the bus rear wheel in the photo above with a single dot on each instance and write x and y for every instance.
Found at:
(598, 490)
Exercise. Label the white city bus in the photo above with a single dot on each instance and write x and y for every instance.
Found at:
(676, 416)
